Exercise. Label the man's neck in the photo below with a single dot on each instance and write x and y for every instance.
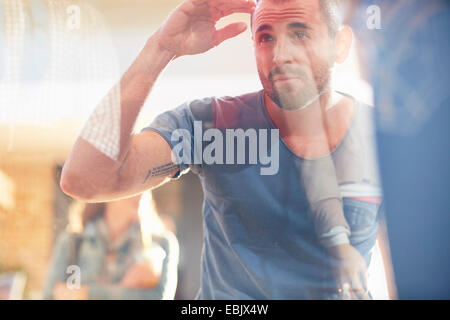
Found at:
(305, 122)
(315, 129)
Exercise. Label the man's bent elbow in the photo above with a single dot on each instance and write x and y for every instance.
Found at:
(74, 187)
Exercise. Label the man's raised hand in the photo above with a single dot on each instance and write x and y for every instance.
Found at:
(191, 28)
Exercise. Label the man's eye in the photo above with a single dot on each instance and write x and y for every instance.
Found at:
(301, 35)
(265, 38)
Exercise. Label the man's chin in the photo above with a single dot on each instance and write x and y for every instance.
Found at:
(288, 86)
(290, 101)
(290, 106)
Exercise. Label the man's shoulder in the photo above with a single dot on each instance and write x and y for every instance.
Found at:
(365, 115)
(247, 98)
(364, 110)
(244, 99)
(225, 110)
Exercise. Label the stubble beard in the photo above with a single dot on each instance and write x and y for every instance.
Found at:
(294, 98)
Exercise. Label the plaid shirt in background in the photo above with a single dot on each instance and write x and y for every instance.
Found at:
(103, 275)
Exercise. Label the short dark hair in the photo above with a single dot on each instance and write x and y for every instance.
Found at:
(332, 14)
(330, 11)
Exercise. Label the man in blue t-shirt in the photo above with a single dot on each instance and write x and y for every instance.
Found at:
(290, 185)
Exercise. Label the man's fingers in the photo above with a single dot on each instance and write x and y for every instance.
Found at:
(357, 287)
(364, 296)
(361, 272)
(364, 279)
(235, 3)
(229, 11)
(360, 295)
(229, 7)
(230, 31)
(355, 282)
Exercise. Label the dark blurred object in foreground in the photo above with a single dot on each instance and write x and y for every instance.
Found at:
(409, 69)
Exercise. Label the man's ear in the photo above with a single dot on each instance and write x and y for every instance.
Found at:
(343, 41)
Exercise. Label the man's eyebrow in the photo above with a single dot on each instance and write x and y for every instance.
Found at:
(298, 25)
(264, 27)
(292, 25)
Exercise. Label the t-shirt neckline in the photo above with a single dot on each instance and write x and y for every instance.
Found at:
(266, 115)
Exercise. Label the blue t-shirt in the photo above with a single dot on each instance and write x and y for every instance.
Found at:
(259, 242)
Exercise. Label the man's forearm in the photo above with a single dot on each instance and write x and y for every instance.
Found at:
(105, 139)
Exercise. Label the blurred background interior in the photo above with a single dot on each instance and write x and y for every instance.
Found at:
(53, 73)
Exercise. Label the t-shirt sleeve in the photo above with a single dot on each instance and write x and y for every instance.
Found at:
(177, 127)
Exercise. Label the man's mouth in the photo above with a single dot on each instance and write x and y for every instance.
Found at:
(285, 79)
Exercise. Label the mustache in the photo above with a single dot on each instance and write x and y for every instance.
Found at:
(287, 71)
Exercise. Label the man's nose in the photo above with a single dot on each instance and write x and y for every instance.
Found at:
(282, 52)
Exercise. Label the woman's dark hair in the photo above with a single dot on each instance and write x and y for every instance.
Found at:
(92, 211)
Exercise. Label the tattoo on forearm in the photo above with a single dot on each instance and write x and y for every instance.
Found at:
(161, 171)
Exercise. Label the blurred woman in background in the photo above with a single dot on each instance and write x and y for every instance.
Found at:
(111, 255)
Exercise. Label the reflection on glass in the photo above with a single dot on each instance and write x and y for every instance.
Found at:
(295, 98)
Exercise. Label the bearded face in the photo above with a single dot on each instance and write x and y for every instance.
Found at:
(292, 88)
(294, 52)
